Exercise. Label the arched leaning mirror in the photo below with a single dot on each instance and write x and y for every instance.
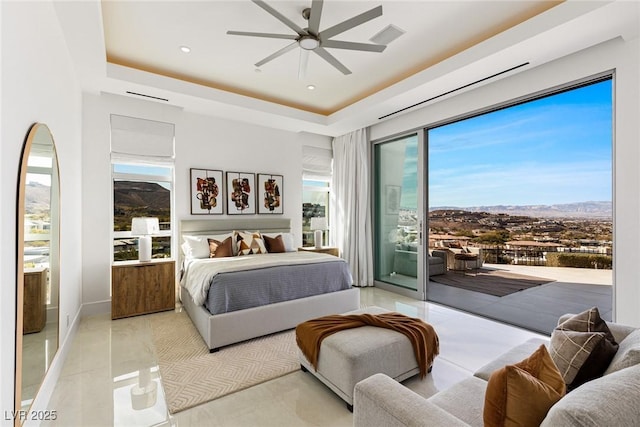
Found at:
(38, 269)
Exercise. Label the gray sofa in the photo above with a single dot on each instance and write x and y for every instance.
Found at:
(437, 263)
(612, 400)
(406, 262)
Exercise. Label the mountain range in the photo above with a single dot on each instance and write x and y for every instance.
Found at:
(592, 209)
(134, 194)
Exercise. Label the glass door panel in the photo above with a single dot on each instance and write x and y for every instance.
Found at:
(397, 240)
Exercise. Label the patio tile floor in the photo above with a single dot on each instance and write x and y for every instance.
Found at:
(537, 308)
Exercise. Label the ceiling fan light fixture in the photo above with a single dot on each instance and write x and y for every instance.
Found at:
(311, 87)
(308, 42)
(312, 39)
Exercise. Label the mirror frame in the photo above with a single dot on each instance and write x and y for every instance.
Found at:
(20, 220)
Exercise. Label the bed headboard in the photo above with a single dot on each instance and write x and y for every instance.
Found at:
(227, 225)
(213, 226)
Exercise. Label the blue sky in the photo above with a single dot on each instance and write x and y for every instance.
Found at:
(552, 150)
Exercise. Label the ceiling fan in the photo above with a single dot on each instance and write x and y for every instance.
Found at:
(311, 39)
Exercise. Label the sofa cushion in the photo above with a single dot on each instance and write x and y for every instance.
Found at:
(434, 260)
(611, 400)
(628, 353)
(463, 400)
(523, 393)
(582, 347)
(514, 355)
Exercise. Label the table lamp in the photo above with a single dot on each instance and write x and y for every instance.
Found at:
(144, 228)
(319, 224)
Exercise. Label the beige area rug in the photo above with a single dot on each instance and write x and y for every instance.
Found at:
(493, 282)
(192, 376)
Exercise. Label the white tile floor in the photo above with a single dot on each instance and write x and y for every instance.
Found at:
(106, 357)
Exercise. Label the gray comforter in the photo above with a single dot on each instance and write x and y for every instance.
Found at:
(270, 278)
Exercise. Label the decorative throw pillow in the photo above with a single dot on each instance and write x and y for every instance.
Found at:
(582, 347)
(628, 353)
(588, 321)
(523, 393)
(218, 249)
(274, 244)
(287, 238)
(249, 243)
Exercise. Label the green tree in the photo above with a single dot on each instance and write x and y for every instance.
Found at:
(498, 237)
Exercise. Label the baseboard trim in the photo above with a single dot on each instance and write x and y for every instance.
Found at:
(97, 307)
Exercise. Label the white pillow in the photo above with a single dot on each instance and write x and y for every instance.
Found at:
(195, 247)
(287, 239)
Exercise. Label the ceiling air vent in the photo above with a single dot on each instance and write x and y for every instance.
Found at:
(455, 90)
(387, 35)
(147, 96)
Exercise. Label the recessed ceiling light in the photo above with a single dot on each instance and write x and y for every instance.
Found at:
(185, 49)
(311, 87)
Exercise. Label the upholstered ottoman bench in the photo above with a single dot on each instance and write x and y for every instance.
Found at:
(351, 355)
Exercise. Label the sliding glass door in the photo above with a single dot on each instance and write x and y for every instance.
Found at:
(397, 216)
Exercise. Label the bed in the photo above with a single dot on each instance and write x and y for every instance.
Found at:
(236, 320)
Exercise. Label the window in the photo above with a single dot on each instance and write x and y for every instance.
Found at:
(141, 190)
(316, 174)
(142, 153)
(527, 188)
(315, 203)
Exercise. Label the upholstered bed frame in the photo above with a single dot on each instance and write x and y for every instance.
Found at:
(228, 328)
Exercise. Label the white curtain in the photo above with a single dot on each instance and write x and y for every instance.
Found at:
(350, 214)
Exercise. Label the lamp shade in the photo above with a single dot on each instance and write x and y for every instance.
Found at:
(319, 223)
(144, 226)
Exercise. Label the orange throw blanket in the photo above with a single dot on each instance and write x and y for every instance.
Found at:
(309, 334)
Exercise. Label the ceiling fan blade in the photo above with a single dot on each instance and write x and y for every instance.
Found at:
(266, 35)
(354, 46)
(277, 54)
(350, 23)
(304, 62)
(280, 17)
(314, 16)
(331, 60)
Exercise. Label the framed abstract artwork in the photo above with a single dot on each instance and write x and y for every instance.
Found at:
(269, 193)
(241, 193)
(206, 192)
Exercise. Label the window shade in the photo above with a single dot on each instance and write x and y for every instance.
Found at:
(131, 136)
(316, 163)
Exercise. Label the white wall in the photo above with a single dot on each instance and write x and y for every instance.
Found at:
(201, 142)
(619, 55)
(38, 84)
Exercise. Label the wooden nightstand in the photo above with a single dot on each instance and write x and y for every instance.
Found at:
(35, 300)
(142, 287)
(323, 250)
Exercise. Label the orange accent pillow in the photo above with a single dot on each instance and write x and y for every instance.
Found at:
(522, 394)
(274, 244)
(219, 249)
